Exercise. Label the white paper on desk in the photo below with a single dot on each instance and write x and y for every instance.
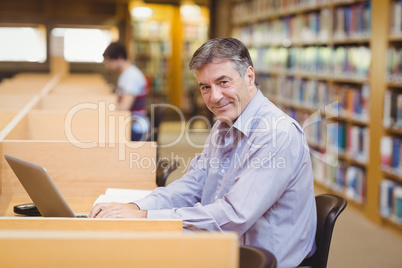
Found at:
(121, 195)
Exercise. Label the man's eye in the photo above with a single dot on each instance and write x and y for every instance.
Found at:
(224, 83)
(204, 88)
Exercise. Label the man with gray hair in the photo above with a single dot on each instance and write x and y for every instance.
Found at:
(254, 176)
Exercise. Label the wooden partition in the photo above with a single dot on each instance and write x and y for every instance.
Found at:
(81, 89)
(82, 85)
(118, 249)
(85, 224)
(5, 118)
(24, 84)
(68, 101)
(81, 170)
(14, 102)
(95, 123)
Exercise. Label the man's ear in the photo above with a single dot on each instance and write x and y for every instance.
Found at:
(250, 75)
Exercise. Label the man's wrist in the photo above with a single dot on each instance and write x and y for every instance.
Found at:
(136, 206)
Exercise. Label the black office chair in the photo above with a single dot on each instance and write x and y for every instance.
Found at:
(329, 207)
(164, 167)
(163, 171)
(254, 257)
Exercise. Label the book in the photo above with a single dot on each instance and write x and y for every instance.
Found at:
(121, 195)
(397, 204)
(386, 198)
(398, 119)
(386, 152)
(387, 120)
(396, 146)
(355, 184)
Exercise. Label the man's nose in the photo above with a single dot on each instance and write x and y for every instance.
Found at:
(216, 94)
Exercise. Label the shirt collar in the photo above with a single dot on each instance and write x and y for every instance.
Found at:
(243, 122)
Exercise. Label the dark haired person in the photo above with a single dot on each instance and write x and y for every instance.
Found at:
(254, 176)
(131, 89)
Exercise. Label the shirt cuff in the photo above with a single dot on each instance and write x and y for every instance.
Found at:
(160, 214)
(145, 203)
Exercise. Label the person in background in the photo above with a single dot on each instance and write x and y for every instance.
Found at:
(131, 89)
(254, 176)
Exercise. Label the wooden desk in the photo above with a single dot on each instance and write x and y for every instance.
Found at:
(83, 125)
(118, 249)
(85, 224)
(81, 174)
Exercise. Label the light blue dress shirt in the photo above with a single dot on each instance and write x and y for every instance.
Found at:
(254, 178)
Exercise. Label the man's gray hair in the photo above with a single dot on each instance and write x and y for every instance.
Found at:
(222, 49)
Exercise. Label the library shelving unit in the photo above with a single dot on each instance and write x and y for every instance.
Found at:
(163, 44)
(195, 33)
(323, 62)
(391, 141)
(151, 46)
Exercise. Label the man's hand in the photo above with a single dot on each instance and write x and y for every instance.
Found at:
(117, 210)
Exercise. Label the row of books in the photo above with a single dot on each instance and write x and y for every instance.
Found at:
(336, 138)
(342, 61)
(391, 200)
(394, 64)
(155, 49)
(352, 21)
(195, 31)
(392, 109)
(315, 128)
(304, 28)
(337, 100)
(247, 10)
(311, 94)
(391, 155)
(349, 180)
(396, 17)
(351, 141)
(350, 101)
(151, 29)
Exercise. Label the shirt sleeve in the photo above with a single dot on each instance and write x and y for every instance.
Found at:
(264, 176)
(183, 192)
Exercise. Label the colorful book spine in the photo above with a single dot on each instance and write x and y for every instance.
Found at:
(397, 211)
(391, 155)
(396, 17)
(386, 198)
(386, 152)
(352, 21)
(392, 109)
(390, 203)
(355, 184)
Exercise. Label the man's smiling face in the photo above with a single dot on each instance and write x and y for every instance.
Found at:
(224, 91)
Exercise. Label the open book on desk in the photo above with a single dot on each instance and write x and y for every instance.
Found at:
(121, 195)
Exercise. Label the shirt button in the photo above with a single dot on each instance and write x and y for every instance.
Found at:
(222, 171)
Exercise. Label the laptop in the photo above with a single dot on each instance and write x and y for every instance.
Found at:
(41, 188)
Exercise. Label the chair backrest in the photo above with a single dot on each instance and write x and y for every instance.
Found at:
(156, 119)
(329, 207)
(256, 257)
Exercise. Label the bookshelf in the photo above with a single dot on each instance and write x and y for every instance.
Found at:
(391, 152)
(152, 49)
(162, 47)
(195, 24)
(324, 63)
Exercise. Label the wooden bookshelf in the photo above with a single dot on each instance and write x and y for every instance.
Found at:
(275, 30)
(195, 33)
(151, 48)
(391, 174)
(163, 45)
